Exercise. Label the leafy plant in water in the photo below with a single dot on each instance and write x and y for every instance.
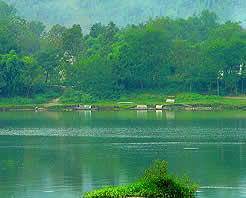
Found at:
(156, 182)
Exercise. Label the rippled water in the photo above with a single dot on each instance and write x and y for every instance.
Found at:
(63, 154)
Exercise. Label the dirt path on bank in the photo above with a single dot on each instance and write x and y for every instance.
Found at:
(56, 101)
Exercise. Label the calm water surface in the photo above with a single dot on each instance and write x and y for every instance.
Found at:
(63, 154)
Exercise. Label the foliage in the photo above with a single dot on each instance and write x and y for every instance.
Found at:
(42, 97)
(197, 54)
(155, 183)
(93, 79)
(73, 96)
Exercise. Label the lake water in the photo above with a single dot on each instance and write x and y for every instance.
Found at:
(63, 154)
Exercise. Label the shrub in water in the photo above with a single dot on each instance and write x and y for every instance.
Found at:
(156, 182)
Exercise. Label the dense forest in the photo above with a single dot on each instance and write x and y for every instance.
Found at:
(197, 54)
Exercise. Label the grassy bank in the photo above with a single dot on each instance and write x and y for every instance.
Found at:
(183, 98)
(152, 98)
(126, 101)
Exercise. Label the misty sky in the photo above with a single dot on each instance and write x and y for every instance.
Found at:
(122, 12)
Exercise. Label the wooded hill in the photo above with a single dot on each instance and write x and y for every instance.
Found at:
(88, 12)
(196, 54)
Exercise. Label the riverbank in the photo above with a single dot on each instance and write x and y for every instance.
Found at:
(186, 102)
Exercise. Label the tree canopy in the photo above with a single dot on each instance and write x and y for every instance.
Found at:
(197, 54)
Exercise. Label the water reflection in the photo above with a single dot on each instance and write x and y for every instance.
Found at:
(67, 165)
(85, 115)
(142, 114)
(115, 148)
(170, 115)
(159, 114)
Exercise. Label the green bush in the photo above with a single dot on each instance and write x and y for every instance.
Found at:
(44, 96)
(155, 183)
(74, 96)
(15, 100)
(47, 95)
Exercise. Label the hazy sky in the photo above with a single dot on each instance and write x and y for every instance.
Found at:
(122, 12)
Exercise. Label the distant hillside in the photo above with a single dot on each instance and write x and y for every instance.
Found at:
(122, 12)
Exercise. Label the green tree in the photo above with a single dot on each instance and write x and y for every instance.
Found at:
(141, 58)
(94, 75)
(34, 80)
(29, 37)
(7, 33)
(73, 41)
(229, 55)
(54, 37)
(10, 66)
(97, 29)
(50, 60)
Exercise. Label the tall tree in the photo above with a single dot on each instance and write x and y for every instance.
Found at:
(73, 41)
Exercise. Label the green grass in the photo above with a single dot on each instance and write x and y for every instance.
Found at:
(139, 97)
(147, 97)
(193, 99)
(155, 183)
(151, 98)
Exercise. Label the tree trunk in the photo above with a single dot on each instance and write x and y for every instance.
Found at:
(28, 92)
(242, 86)
(141, 85)
(190, 87)
(47, 76)
(210, 87)
(218, 87)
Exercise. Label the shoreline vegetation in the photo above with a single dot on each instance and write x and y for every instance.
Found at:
(156, 182)
(198, 59)
(138, 101)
